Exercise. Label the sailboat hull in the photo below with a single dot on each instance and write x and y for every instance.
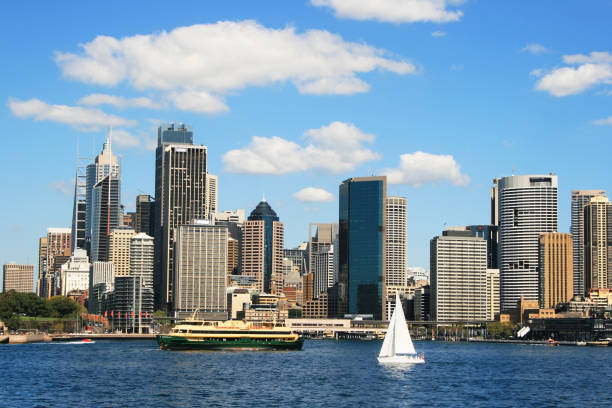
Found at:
(400, 359)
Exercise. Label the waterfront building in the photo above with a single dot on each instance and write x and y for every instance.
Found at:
(144, 214)
(597, 244)
(200, 270)
(362, 252)
(19, 278)
(458, 273)
(180, 194)
(262, 248)
(422, 303)
(238, 300)
(556, 274)
(75, 273)
(105, 215)
(527, 208)
(101, 280)
(119, 250)
(579, 199)
(141, 258)
(104, 164)
(395, 256)
(492, 293)
(322, 237)
(129, 306)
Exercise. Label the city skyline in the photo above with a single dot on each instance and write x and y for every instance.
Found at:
(479, 104)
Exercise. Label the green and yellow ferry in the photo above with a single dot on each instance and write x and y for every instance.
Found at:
(230, 334)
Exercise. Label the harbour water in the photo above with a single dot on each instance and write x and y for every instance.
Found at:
(325, 373)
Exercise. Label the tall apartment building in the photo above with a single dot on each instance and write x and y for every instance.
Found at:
(597, 244)
(527, 208)
(180, 194)
(362, 246)
(105, 215)
(200, 270)
(396, 245)
(19, 278)
(119, 250)
(322, 237)
(492, 293)
(579, 199)
(101, 281)
(458, 273)
(104, 164)
(141, 258)
(145, 207)
(262, 249)
(556, 274)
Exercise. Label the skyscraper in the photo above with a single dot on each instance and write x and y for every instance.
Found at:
(322, 237)
(556, 277)
(180, 198)
(579, 199)
(119, 250)
(75, 273)
(262, 249)
(527, 208)
(200, 269)
(59, 242)
(212, 182)
(597, 244)
(144, 214)
(395, 267)
(105, 164)
(458, 271)
(105, 215)
(141, 258)
(42, 263)
(362, 252)
(19, 278)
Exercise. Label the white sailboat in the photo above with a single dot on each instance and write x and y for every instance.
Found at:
(397, 347)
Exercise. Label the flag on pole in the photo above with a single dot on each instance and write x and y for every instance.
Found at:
(105, 315)
(112, 313)
(132, 314)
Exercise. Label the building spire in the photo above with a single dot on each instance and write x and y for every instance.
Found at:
(109, 132)
(263, 197)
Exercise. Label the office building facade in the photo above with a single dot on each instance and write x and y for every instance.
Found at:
(75, 273)
(556, 269)
(19, 278)
(492, 293)
(200, 270)
(262, 249)
(527, 208)
(322, 238)
(458, 273)
(362, 249)
(396, 245)
(141, 258)
(597, 244)
(579, 199)
(105, 214)
(119, 249)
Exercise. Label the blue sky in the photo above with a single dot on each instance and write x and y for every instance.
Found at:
(441, 96)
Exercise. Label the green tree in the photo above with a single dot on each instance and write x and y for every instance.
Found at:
(61, 306)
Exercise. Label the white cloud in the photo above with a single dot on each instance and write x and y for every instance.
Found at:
(568, 80)
(198, 65)
(118, 101)
(199, 102)
(81, 118)
(338, 147)
(538, 72)
(535, 49)
(606, 121)
(438, 34)
(419, 168)
(392, 11)
(594, 57)
(62, 187)
(313, 195)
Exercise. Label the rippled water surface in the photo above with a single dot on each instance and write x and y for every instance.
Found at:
(324, 373)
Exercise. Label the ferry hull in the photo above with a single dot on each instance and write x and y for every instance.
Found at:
(181, 343)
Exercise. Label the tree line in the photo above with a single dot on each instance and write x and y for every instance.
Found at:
(14, 305)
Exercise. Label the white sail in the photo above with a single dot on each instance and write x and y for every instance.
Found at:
(402, 341)
(387, 349)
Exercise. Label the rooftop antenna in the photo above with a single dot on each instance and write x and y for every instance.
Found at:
(513, 169)
(263, 197)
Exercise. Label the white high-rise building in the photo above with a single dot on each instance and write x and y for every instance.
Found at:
(579, 199)
(141, 258)
(458, 263)
(119, 250)
(75, 272)
(395, 268)
(527, 208)
(212, 183)
(492, 293)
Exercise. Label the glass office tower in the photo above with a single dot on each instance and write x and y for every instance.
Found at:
(362, 245)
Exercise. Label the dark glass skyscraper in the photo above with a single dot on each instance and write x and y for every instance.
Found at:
(105, 215)
(362, 245)
(144, 214)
